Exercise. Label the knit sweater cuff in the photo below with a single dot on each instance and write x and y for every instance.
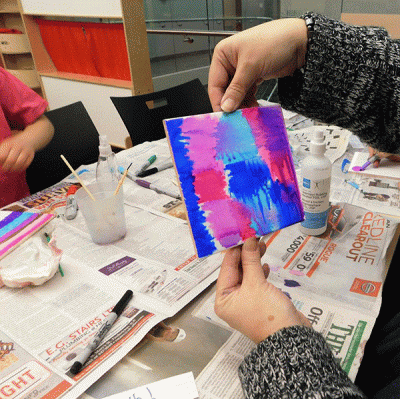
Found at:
(347, 67)
(295, 363)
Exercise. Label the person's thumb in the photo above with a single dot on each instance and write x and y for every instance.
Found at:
(251, 262)
(235, 93)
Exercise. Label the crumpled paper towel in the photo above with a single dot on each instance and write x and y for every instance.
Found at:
(33, 263)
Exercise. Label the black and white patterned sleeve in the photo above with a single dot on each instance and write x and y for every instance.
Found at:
(295, 363)
(351, 79)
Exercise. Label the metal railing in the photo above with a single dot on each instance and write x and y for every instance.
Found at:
(222, 33)
(191, 32)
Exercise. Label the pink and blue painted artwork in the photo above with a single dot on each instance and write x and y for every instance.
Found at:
(236, 174)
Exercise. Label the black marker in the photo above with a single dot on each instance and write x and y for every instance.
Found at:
(105, 327)
(156, 169)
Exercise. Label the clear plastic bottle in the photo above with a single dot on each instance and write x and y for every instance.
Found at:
(316, 171)
(107, 168)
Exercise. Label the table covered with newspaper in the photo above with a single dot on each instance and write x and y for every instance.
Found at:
(335, 280)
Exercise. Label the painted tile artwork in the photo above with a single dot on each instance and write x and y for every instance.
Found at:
(236, 175)
(16, 227)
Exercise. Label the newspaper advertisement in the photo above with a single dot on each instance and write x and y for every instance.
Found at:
(44, 328)
(51, 200)
(347, 263)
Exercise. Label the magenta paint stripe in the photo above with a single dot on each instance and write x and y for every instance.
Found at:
(26, 233)
(19, 227)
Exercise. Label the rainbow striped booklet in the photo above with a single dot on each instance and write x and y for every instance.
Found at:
(236, 175)
(16, 227)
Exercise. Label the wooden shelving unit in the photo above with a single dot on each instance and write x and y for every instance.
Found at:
(63, 88)
(15, 51)
(132, 15)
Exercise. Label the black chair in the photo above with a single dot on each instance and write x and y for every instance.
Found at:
(145, 124)
(75, 136)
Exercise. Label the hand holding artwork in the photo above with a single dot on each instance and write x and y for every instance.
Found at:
(247, 301)
(272, 50)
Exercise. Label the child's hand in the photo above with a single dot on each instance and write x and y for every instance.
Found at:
(16, 153)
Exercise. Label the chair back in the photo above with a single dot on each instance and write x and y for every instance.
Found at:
(144, 122)
(75, 136)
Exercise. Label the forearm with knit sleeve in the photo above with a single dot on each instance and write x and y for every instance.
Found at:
(351, 79)
(295, 363)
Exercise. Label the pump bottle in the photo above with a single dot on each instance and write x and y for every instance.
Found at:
(106, 169)
(316, 170)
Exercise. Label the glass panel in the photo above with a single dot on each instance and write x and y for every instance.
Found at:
(188, 54)
(330, 8)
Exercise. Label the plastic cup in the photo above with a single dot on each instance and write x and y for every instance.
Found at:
(105, 217)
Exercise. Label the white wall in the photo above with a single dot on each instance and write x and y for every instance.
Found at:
(96, 8)
(96, 99)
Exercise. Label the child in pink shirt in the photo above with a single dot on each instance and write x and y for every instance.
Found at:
(23, 131)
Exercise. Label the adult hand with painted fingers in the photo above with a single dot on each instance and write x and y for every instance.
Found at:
(247, 301)
(380, 155)
(268, 51)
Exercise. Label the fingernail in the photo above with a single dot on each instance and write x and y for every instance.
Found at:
(251, 244)
(228, 105)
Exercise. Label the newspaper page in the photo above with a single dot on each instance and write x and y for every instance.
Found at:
(166, 179)
(377, 194)
(54, 322)
(44, 328)
(71, 308)
(336, 140)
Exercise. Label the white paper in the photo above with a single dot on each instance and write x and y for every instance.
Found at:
(178, 387)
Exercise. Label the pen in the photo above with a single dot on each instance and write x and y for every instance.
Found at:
(105, 327)
(147, 164)
(158, 190)
(156, 169)
(370, 161)
(355, 185)
(151, 186)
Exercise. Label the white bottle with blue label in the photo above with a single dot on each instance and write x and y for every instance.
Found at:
(316, 171)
